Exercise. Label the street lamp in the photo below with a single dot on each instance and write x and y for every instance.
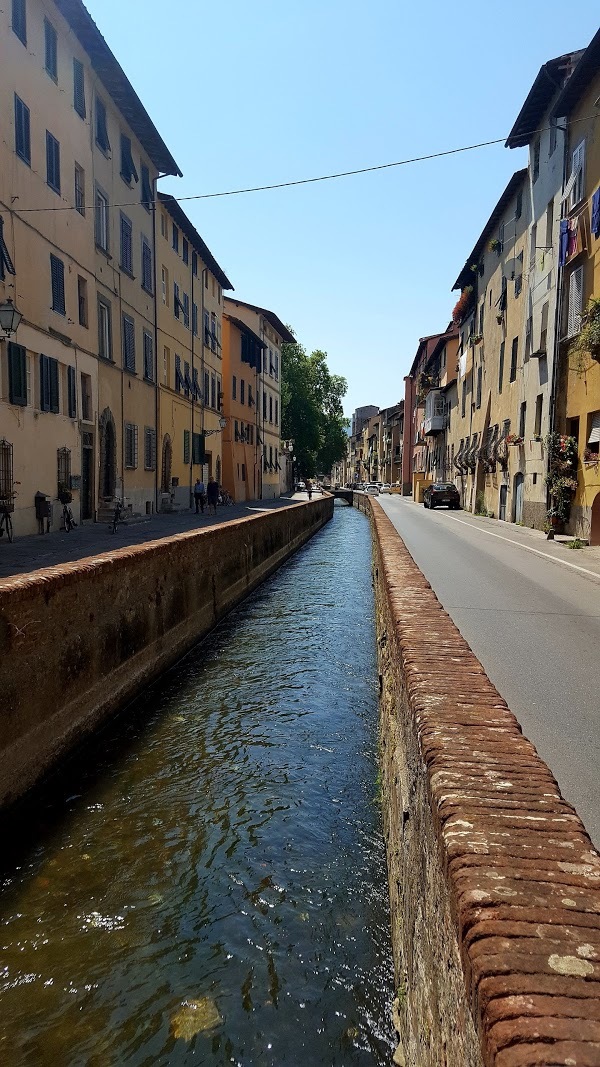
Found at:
(222, 425)
(9, 317)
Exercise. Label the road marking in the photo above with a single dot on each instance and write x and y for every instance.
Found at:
(528, 548)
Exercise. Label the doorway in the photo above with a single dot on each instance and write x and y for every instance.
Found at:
(595, 524)
(167, 461)
(518, 498)
(108, 455)
(502, 508)
(87, 477)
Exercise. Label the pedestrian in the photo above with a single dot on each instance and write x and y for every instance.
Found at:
(309, 488)
(212, 495)
(199, 492)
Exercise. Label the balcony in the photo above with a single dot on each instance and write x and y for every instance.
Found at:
(435, 413)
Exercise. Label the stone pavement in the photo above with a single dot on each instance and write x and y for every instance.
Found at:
(92, 539)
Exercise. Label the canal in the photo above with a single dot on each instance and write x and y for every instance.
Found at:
(207, 882)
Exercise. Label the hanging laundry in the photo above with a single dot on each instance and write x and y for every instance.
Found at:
(596, 213)
(572, 245)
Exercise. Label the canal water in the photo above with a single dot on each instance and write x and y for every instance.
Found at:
(210, 886)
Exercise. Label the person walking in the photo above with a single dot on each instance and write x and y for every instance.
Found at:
(212, 495)
(199, 492)
(309, 488)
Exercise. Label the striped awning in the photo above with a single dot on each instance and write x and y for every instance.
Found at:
(594, 437)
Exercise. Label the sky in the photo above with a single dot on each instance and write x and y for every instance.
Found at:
(253, 92)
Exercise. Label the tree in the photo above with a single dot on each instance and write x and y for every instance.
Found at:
(312, 414)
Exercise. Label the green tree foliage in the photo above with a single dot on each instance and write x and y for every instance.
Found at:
(311, 409)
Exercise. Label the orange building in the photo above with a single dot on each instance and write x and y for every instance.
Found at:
(242, 446)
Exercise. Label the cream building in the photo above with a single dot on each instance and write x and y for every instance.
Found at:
(190, 364)
(78, 395)
(272, 333)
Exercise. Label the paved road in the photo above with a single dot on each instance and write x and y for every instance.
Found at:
(533, 622)
(33, 553)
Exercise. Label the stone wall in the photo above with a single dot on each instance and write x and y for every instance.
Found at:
(494, 883)
(79, 640)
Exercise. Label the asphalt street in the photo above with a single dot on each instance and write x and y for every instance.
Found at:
(534, 623)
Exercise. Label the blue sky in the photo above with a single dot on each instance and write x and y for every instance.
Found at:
(249, 93)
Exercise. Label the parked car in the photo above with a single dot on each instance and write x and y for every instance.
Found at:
(300, 487)
(372, 489)
(385, 488)
(441, 493)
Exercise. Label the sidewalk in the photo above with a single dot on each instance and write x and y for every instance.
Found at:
(584, 559)
(45, 550)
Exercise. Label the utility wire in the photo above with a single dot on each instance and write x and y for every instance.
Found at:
(321, 177)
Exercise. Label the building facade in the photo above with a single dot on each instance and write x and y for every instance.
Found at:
(243, 354)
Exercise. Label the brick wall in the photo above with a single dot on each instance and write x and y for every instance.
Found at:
(494, 883)
(79, 640)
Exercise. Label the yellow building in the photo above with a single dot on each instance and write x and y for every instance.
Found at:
(243, 354)
(492, 435)
(272, 333)
(190, 319)
(78, 379)
(578, 392)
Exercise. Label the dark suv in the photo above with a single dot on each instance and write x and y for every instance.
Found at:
(441, 493)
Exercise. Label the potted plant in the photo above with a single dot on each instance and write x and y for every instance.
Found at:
(495, 245)
(587, 342)
(590, 459)
(561, 479)
(462, 305)
(477, 338)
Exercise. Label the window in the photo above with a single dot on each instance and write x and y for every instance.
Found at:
(164, 281)
(185, 251)
(195, 264)
(197, 448)
(63, 470)
(82, 300)
(101, 127)
(236, 430)
(577, 174)
(528, 337)
(71, 393)
(19, 20)
(104, 329)
(146, 190)
(206, 280)
(128, 169)
(513, 359)
(206, 387)
(126, 245)
(270, 408)
(544, 327)
(481, 316)
(195, 319)
(234, 387)
(51, 49)
(149, 448)
(186, 310)
(101, 221)
(129, 344)
(463, 402)
(6, 264)
(179, 383)
(86, 398)
(532, 246)
(163, 224)
(52, 162)
(575, 302)
(186, 446)
(187, 381)
(242, 391)
(79, 88)
(148, 360)
(264, 404)
(536, 159)
(175, 238)
(522, 418)
(213, 331)
(479, 382)
(49, 384)
(549, 224)
(539, 405)
(131, 445)
(276, 358)
(177, 305)
(79, 189)
(519, 207)
(22, 131)
(167, 365)
(213, 391)
(146, 265)
(17, 375)
(552, 147)
(57, 277)
(277, 412)
(593, 441)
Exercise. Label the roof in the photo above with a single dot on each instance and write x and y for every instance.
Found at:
(551, 78)
(466, 275)
(117, 84)
(271, 317)
(586, 70)
(178, 214)
(244, 328)
(427, 346)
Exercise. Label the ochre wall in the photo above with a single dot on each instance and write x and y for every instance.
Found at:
(79, 640)
(494, 882)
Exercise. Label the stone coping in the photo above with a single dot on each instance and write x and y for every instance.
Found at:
(522, 875)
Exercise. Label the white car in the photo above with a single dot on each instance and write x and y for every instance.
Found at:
(385, 488)
(372, 489)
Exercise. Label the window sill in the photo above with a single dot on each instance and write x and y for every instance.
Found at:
(103, 252)
(23, 159)
(129, 273)
(106, 359)
(128, 370)
(53, 77)
(54, 188)
(103, 151)
(146, 290)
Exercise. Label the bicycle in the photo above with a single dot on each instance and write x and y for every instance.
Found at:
(117, 518)
(67, 515)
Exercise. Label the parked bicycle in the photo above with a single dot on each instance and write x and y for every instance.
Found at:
(67, 515)
(7, 506)
(118, 517)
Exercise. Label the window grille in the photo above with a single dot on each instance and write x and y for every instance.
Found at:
(63, 456)
(131, 445)
(149, 448)
(6, 472)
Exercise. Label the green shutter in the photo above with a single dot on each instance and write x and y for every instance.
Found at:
(186, 446)
(72, 393)
(53, 385)
(17, 374)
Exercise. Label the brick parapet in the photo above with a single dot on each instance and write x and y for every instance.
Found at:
(493, 877)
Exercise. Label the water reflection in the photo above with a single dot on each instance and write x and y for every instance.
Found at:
(212, 886)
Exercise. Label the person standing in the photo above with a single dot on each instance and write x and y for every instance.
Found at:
(199, 492)
(212, 495)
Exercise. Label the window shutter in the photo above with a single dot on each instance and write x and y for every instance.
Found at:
(186, 446)
(176, 300)
(5, 260)
(146, 265)
(149, 448)
(148, 356)
(17, 374)
(146, 187)
(126, 245)
(22, 131)
(57, 272)
(19, 20)
(594, 437)
(128, 343)
(575, 302)
(44, 384)
(101, 127)
(72, 393)
(79, 88)
(53, 375)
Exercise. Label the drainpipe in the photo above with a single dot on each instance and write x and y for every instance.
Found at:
(156, 385)
(191, 254)
(202, 342)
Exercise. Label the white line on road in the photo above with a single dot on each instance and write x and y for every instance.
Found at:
(528, 548)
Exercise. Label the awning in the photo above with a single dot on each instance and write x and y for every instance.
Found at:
(594, 437)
